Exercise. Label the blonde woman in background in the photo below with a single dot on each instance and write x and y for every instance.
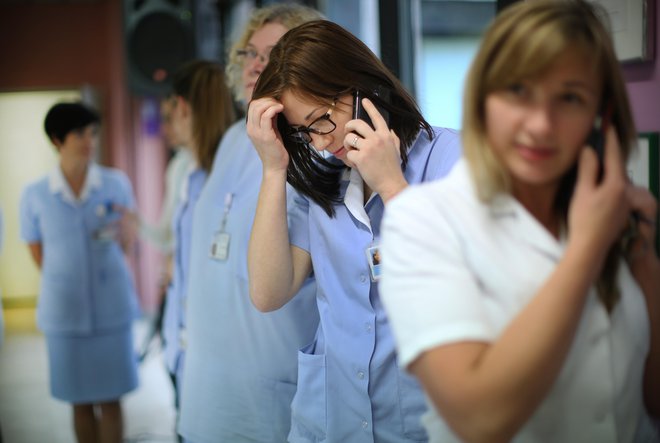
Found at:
(240, 372)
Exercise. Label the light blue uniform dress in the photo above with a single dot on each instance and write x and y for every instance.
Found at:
(87, 300)
(174, 326)
(350, 387)
(241, 364)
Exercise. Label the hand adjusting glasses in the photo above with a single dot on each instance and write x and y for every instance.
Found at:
(321, 126)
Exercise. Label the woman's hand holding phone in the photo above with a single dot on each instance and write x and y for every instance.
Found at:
(375, 152)
(599, 209)
(262, 129)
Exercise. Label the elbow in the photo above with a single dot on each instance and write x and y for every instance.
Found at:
(482, 431)
(261, 301)
(475, 424)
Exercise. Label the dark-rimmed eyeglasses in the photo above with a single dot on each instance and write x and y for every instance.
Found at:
(321, 126)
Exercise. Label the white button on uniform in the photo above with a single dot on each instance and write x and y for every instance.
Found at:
(365, 424)
(360, 375)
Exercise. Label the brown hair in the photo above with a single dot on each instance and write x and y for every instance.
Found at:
(522, 43)
(321, 61)
(202, 84)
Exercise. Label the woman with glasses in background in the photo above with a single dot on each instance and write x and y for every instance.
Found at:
(240, 373)
(344, 171)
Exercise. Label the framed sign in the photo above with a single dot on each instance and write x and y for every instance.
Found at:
(631, 24)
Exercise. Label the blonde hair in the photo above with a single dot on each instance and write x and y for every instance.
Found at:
(523, 43)
(287, 15)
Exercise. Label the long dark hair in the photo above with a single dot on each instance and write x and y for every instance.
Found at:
(321, 61)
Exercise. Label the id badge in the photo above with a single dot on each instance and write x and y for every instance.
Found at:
(375, 266)
(220, 246)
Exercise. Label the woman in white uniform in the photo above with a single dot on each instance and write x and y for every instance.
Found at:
(517, 293)
(77, 228)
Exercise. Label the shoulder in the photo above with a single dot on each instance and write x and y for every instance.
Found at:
(454, 191)
(36, 187)
(235, 133)
(110, 174)
(435, 155)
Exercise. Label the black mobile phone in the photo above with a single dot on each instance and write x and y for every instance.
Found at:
(381, 93)
(596, 138)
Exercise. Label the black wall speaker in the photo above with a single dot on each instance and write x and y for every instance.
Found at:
(159, 36)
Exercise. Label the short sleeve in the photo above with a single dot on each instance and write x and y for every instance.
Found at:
(128, 198)
(445, 154)
(431, 296)
(29, 219)
(298, 218)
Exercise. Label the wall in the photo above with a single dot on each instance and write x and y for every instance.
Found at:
(643, 81)
(74, 45)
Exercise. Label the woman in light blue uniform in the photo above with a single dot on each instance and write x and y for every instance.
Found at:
(75, 225)
(202, 110)
(350, 387)
(240, 371)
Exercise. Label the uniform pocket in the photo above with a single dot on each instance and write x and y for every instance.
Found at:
(413, 406)
(308, 409)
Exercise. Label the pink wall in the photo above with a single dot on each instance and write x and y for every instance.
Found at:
(643, 81)
(60, 45)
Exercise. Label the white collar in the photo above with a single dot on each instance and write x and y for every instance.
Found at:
(57, 183)
(354, 197)
(191, 167)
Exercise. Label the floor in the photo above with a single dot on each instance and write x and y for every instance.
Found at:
(29, 415)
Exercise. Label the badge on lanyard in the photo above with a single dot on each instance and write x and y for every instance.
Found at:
(373, 258)
(220, 243)
(108, 231)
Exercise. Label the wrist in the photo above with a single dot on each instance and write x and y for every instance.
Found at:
(274, 174)
(393, 189)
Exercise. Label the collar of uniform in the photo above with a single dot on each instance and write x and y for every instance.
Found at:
(524, 226)
(57, 183)
(191, 167)
(354, 197)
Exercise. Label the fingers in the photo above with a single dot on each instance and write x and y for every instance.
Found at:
(643, 203)
(374, 114)
(361, 127)
(614, 167)
(261, 112)
(587, 168)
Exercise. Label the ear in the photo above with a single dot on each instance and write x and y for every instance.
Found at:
(56, 142)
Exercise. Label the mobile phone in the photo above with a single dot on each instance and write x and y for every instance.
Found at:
(596, 138)
(359, 111)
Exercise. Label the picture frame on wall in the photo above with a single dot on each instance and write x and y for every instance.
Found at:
(644, 167)
(632, 27)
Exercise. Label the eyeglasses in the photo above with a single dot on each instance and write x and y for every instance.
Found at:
(251, 54)
(321, 126)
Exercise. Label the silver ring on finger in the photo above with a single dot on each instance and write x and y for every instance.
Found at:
(355, 142)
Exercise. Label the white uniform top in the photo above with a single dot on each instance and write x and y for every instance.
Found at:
(160, 234)
(456, 269)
